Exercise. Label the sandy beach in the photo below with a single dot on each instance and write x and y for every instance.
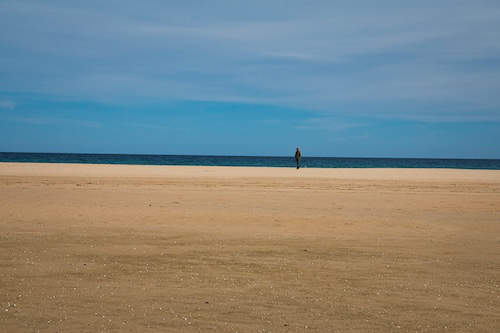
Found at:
(119, 248)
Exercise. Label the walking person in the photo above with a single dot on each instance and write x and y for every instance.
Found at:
(298, 155)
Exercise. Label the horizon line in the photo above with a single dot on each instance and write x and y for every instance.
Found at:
(281, 156)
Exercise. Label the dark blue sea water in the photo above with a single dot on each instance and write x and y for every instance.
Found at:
(259, 161)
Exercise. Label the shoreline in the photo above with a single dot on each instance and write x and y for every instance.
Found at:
(188, 171)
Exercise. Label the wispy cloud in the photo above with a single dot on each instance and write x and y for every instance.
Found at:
(330, 124)
(47, 120)
(7, 104)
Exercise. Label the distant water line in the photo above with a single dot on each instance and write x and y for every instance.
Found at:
(252, 161)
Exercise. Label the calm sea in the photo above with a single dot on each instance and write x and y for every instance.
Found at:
(258, 161)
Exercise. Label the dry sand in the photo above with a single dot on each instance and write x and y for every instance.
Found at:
(90, 248)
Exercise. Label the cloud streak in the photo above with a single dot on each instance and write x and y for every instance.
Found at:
(7, 104)
(47, 120)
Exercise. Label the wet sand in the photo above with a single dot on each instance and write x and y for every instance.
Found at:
(90, 248)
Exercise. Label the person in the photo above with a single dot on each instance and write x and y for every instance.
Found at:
(298, 155)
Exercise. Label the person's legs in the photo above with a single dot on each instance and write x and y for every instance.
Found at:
(297, 160)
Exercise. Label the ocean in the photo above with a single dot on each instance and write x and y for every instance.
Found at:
(255, 161)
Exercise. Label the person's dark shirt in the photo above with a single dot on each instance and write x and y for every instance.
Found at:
(297, 155)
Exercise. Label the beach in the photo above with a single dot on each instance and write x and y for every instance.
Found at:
(133, 248)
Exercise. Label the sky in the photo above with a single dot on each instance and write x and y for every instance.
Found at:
(337, 78)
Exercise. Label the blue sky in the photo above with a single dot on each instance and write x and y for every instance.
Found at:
(337, 78)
